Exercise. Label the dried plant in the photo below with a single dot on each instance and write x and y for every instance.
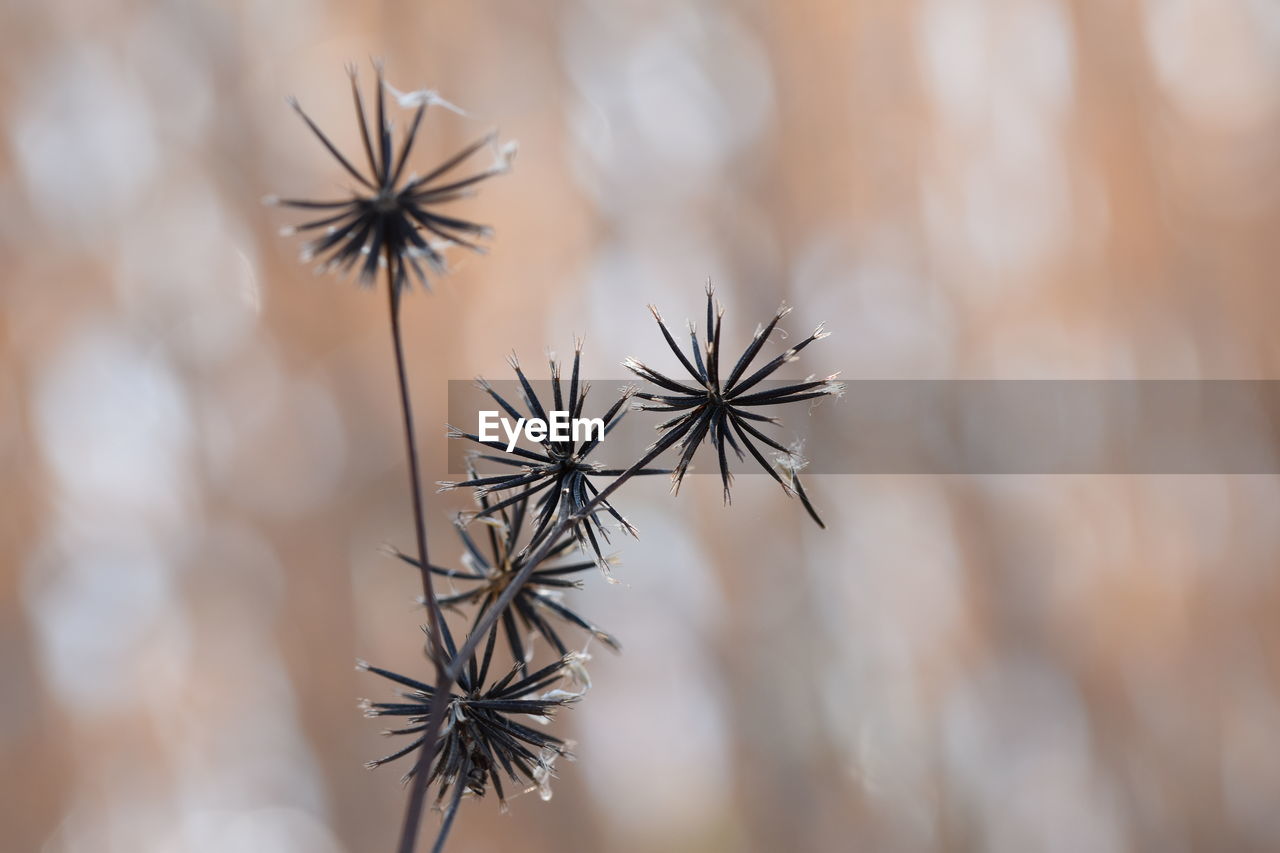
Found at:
(489, 567)
(560, 474)
(383, 221)
(537, 506)
(481, 738)
(713, 408)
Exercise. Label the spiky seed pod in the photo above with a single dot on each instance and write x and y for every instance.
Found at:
(491, 566)
(559, 474)
(481, 739)
(717, 408)
(385, 219)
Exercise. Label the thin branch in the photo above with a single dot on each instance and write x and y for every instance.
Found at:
(413, 809)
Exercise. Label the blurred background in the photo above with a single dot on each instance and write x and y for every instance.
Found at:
(201, 454)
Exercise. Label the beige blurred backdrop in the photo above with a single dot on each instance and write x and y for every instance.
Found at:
(200, 454)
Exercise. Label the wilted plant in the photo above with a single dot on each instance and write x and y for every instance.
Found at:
(489, 568)
(537, 506)
(383, 221)
(560, 472)
(713, 410)
(480, 740)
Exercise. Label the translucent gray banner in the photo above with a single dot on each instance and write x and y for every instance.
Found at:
(965, 426)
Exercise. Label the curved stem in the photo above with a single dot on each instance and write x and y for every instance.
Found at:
(413, 809)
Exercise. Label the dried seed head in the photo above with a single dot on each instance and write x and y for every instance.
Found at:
(492, 558)
(719, 409)
(480, 742)
(388, 221)
(556, 474)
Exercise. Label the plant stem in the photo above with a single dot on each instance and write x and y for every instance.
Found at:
(413, 809)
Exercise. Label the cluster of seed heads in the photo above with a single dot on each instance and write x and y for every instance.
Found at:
(535, 509)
